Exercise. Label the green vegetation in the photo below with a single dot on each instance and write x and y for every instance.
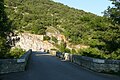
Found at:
(46, 38)
(67, 50)
(73, 51)
(100, 33)
(93, 52)
(62, 47)
(5, 28)
(114, 12)
(5, 31)
(54, 39)
(16, 53)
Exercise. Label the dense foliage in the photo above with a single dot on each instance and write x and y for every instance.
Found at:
(114, 12)
(46, 38)
(78, 26)
(4, 30)
(16, 53)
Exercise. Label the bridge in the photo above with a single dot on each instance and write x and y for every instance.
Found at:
(43, 66)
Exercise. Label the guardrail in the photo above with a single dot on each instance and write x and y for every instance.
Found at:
(14, 65)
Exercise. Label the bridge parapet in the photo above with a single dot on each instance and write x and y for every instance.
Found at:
(98, 65)
(14, 65)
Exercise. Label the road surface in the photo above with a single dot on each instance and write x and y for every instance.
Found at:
(43, 66)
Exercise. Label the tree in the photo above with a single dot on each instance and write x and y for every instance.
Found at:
(114, 12)
(4, 30)
(79, 27)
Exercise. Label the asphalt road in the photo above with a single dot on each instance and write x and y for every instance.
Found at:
(43, 66)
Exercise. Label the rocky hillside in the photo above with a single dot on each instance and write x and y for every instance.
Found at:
(32, 41)
(36, 42)
(77, 26)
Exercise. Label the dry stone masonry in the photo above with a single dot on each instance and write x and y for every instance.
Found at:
(98, 65)
(14, 65)
(32, 41)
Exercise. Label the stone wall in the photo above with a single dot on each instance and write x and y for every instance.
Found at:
(32, 41)
(99, 65)
(14, 65)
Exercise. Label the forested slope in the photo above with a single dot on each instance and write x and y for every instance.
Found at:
(80, 27)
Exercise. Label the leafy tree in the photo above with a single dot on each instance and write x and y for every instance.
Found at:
(114, 12)
(78, 26)
(4, 30)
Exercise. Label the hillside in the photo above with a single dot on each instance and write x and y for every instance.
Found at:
(78, 26)
(36, 16)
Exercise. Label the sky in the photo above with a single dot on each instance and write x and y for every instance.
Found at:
(93, 6)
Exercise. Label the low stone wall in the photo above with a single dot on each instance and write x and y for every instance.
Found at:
(14, 65)
(99, 65)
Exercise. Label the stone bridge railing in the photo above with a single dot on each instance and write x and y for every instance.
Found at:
(99, 65)
(14, 65)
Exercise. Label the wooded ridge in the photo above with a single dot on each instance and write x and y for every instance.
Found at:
(78, 26)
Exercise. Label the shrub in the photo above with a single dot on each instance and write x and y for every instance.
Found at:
(73, 51)
(61, 46)
(54, 39)
(16, 52)
(46, 38)
(67, 50)
(115, 54)
(91, 52)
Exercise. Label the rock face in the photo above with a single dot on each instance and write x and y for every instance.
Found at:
(34, 42)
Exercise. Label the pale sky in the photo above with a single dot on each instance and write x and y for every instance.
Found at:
(93, 6)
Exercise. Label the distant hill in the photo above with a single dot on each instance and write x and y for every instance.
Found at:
(79, 27)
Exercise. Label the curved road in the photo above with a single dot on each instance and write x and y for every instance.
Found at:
(42, 66)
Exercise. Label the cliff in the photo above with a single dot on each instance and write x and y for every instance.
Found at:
(32, 41)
